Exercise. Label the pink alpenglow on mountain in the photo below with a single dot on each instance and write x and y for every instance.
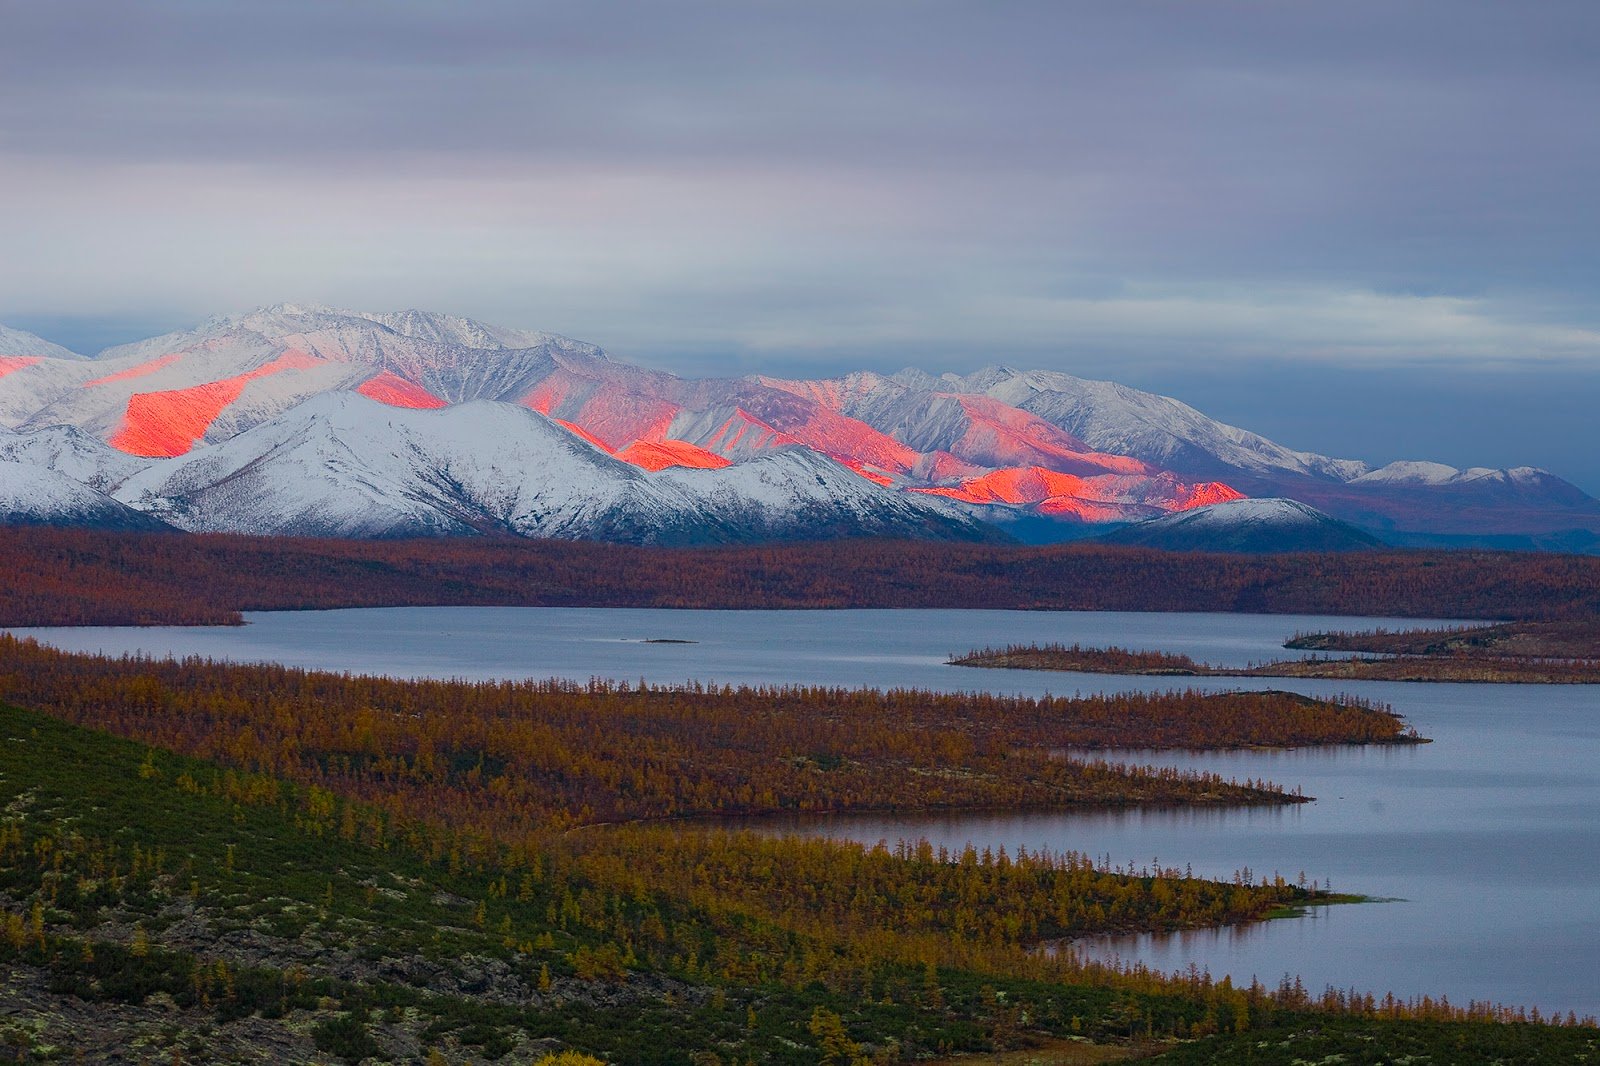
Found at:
(908, 453)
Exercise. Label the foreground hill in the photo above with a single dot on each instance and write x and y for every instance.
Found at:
(1046, 454)
(342, 880)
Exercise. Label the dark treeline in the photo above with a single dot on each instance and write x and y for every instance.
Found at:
(534, 756)
(80, 577)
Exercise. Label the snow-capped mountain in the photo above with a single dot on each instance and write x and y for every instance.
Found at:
(19, 344)
(1254, 526)
(1034, 449)
(796, 492)
(38, 496)
(69, 451)
(344, 465)
(1157, 429)
(1522, 506)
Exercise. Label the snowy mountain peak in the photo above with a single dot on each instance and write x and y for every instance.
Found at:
(1261, 525)
(17, 342)
(1408, 472)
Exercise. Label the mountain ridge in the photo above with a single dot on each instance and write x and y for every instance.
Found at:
(1254, 526)
(1005, 445)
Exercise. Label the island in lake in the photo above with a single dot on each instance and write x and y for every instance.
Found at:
(1538, 653)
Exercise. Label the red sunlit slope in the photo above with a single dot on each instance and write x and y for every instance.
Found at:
(139, 371)
(840, 437)
(164, 424)
(396, 391)
(658, 455)
(988, 434)
(832, 393)
(9, 363)
(1101, 498)
(744, 430)
(579, 431)
(1001, 435)
(942, 466)
(867, 472)
(613, 417)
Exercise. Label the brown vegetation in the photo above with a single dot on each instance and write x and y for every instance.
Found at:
(80, 577)
(1576, 639)
(523, 757)
(1462, 663)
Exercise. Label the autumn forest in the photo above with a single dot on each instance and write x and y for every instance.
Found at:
(447, 871)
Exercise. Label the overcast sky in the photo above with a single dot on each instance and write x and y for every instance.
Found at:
(1366, 228)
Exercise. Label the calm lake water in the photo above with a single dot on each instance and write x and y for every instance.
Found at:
(1486, 843)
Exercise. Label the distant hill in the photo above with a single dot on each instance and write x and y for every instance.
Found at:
(1253, 526)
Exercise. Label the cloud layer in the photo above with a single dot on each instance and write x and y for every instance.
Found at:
(1113, 189)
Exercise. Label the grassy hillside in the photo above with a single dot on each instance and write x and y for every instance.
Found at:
(172, 910)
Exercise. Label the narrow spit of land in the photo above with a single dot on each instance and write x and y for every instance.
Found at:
(1520, 653)
(203, 913)
(526, 756)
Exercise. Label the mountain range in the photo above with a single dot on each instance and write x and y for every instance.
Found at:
(315, 421)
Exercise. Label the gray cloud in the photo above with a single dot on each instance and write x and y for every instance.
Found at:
(702, 184)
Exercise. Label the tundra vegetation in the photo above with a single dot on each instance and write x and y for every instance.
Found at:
(211, 862)
(1443, 655)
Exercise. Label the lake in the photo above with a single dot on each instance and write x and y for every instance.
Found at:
(1486, 843)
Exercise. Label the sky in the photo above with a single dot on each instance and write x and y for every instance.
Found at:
(1364, 228)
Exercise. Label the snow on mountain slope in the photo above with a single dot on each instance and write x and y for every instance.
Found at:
(799, 492)
(1265, 525)
(466, 332)
(659, 455)
(1000, 435)
(975, 429)
(1516, 481)
(1098, 498)
(159, 404)
(1405, 472)
(30, 383)
(38, 496)
(69, 451)
(344, 465)
(1169, 434)
(1158, 429)
(17, 342)
(229, 374)
(407, 358)
(734, 418)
